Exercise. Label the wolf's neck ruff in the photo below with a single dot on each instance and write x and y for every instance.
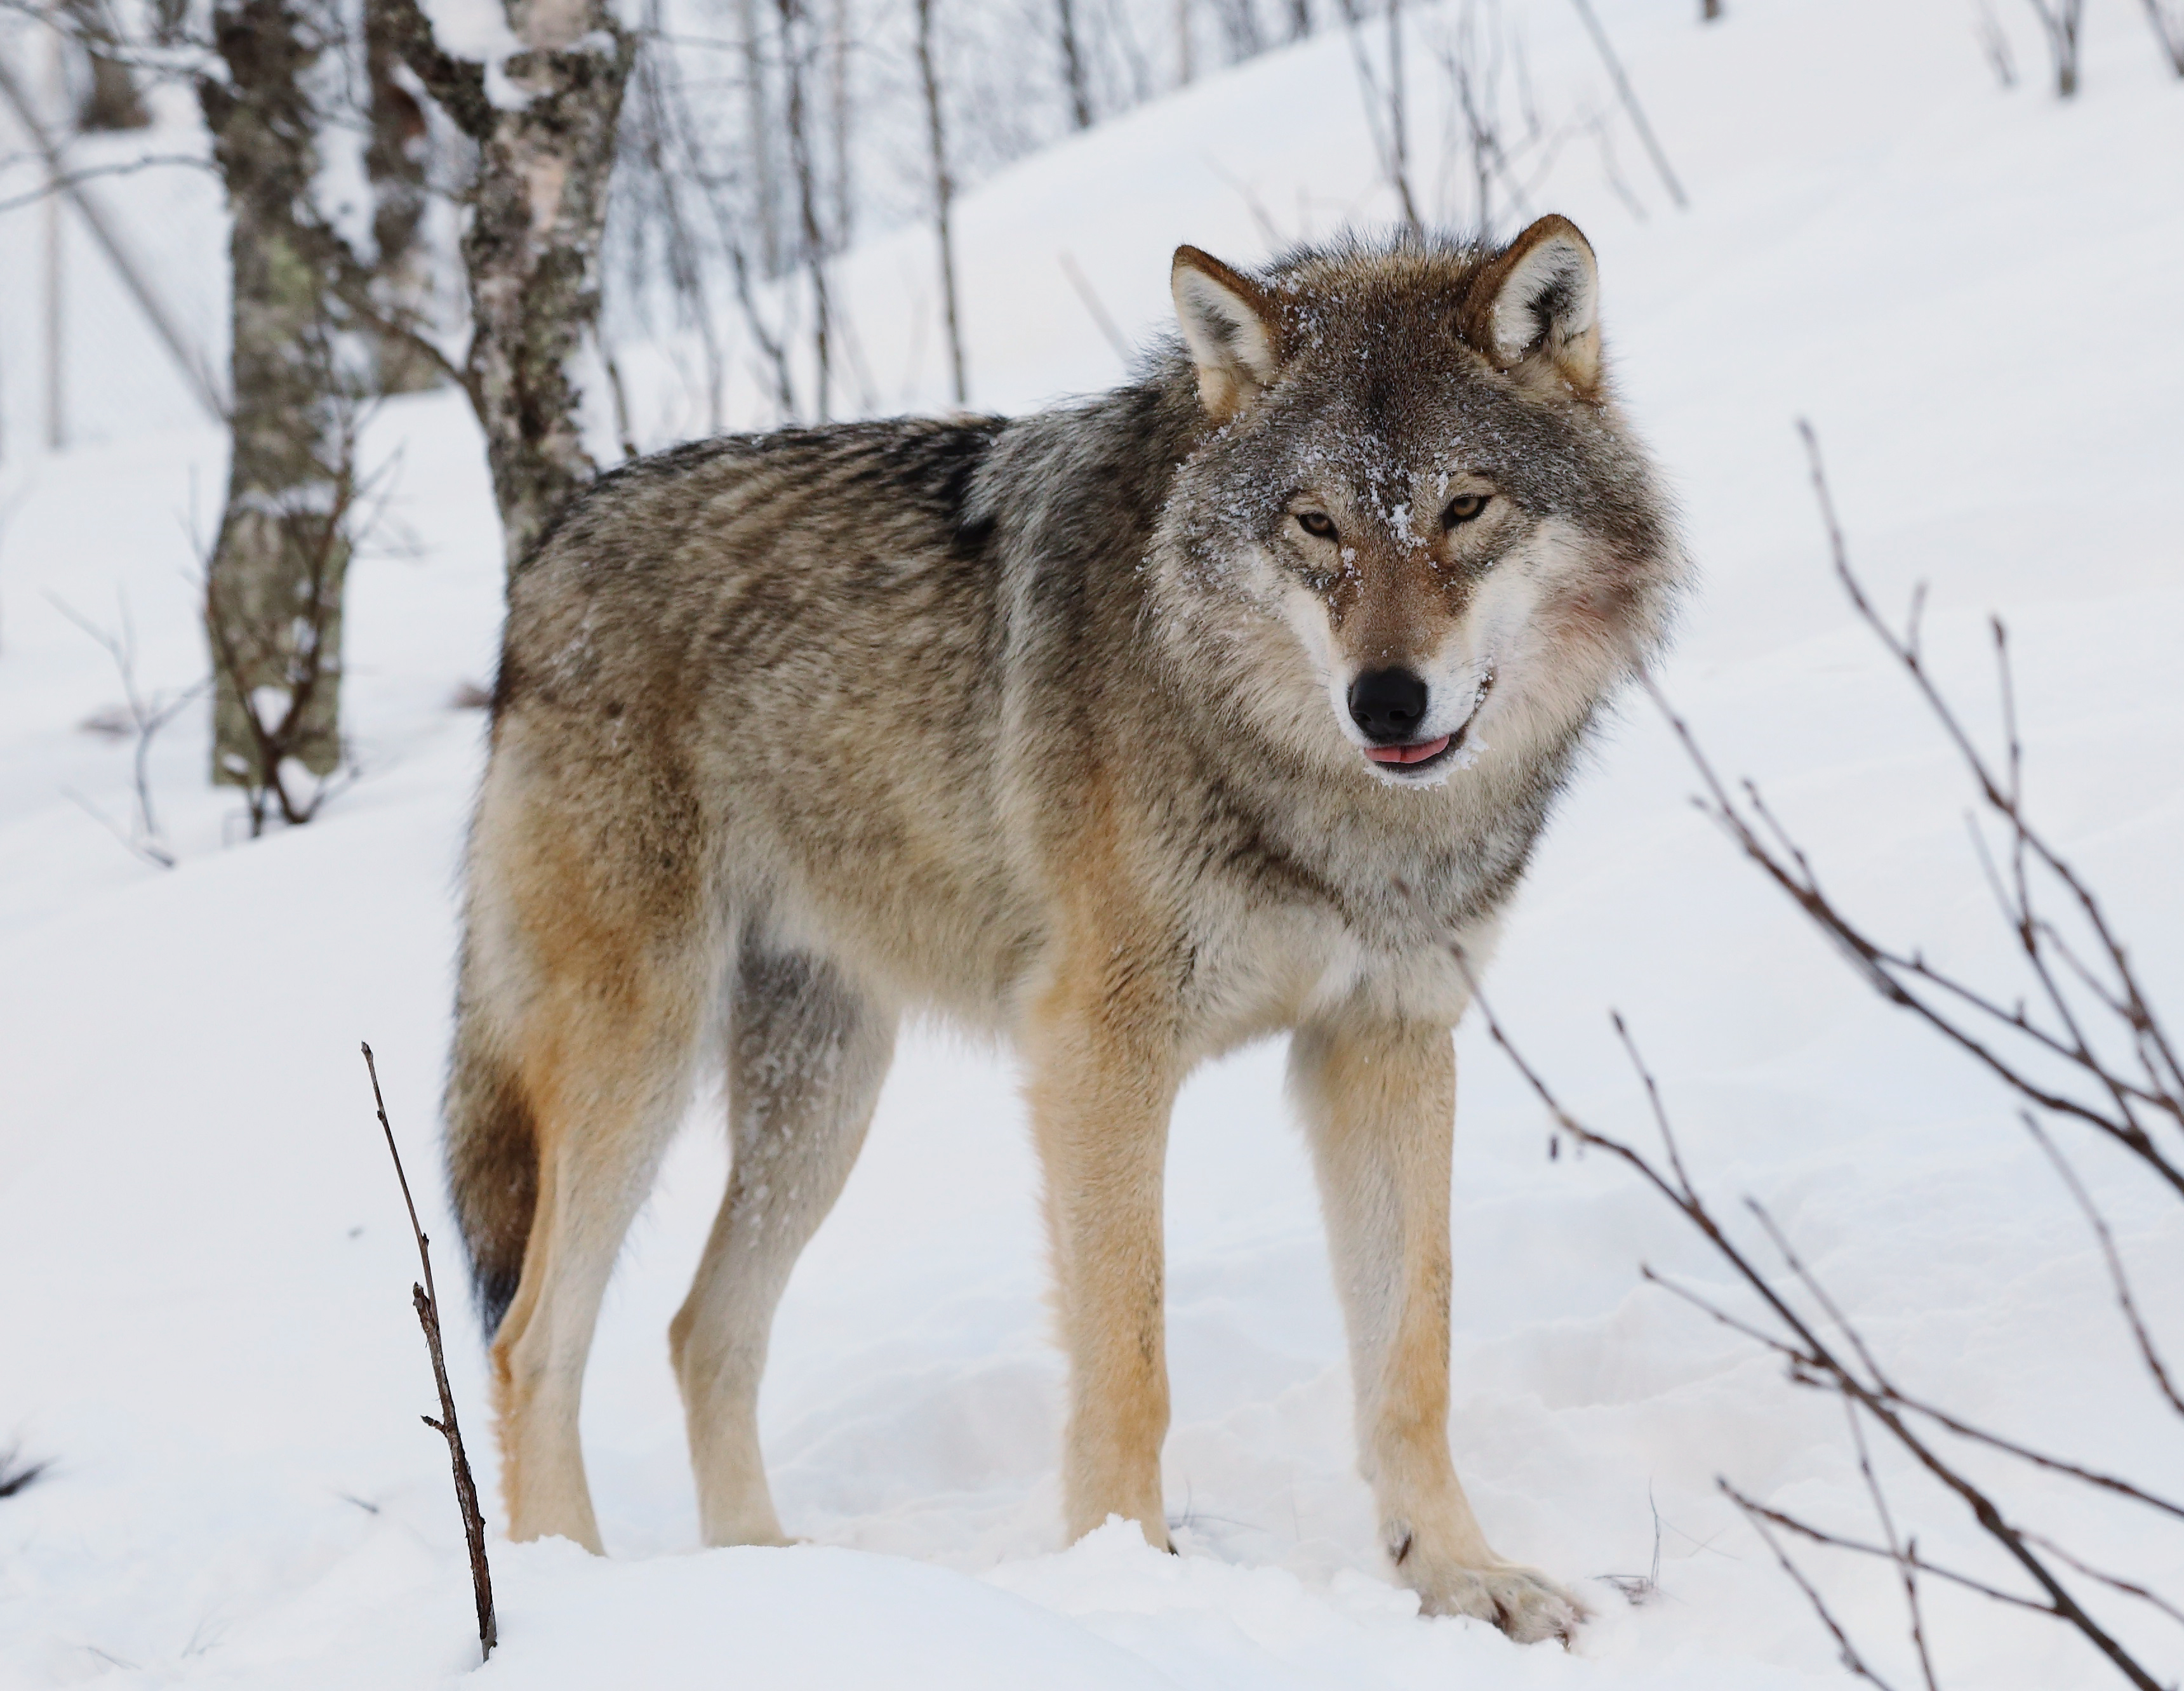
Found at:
(1224, 705)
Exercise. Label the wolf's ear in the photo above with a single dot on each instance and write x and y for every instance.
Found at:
(1541, 298)
(1228, 325)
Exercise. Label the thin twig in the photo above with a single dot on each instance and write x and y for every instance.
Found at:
(428, 1301)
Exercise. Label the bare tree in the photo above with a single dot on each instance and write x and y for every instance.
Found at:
(944, 197)
(796, 55)
(1629, 96)
(141, 717)
(2169, 32)
(273, 615)
(1239, 23)
(395, 163)
(1994, 43)
(1478, 56)
(538, 207)
(2085, 1048)
(273, 608)
(841, 106)
(1384, 115)
(2060, 22)
(1075, 80)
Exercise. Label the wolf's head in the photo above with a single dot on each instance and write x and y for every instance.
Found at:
(1417, 524)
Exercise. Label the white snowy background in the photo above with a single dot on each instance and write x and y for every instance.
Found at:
(1973, 294)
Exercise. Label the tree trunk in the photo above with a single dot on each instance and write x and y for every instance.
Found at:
(944, 195)
(111, 102)
(274, 587)
(394, 162)
(531, 253)
(1709, 10)
(765, 186)
(838, 53)
(1072, 64)
(795, 56)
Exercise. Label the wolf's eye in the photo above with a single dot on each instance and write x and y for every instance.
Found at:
(1316, 522)
(1463, 508)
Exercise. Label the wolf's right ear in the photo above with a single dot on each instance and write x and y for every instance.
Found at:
(1228, 325)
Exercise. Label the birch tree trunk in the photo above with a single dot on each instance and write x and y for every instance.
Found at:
(530, 253)
(273, 590)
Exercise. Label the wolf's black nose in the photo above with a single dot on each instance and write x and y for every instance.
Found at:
(1388, 704)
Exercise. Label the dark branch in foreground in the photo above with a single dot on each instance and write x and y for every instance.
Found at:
(2094, 1052)
(428, 1317)
(16, 1474)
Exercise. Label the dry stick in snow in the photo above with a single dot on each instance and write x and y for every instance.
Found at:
(428, 1315)
(1630, 98)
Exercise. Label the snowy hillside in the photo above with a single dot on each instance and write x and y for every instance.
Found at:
(1974, 295)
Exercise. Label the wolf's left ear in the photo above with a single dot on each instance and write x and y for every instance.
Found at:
(1541, 298)
(1228, 325)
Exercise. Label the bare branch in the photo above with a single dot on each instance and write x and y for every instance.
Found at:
(428, 1317)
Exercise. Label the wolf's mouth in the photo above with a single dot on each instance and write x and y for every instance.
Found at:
(1423, 757)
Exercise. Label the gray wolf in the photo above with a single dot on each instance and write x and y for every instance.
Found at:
(1226, 704)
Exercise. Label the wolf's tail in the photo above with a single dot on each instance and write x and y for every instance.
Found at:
(493, 1154)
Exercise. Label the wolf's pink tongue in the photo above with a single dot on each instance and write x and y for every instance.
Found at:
(1407, 754)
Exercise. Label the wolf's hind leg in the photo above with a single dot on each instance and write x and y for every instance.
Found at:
(591, 960)
(1378, 1099)
(807, 1053)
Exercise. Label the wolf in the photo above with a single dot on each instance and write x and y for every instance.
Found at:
(1228, 704)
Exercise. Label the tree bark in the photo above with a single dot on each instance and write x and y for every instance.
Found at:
(395, 159)
(273, 590)
(111, 102)
(531, 253)
(1072, 64)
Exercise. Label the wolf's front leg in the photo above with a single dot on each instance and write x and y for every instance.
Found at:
(1101, 1055)
(1379, 1098)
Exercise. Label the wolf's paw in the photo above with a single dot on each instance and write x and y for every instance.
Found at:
(1526, 1604)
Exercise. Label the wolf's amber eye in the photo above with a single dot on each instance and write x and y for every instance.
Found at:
(1463, 509)
(1316, 522)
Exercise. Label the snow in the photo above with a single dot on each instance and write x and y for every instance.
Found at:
(205, 1325)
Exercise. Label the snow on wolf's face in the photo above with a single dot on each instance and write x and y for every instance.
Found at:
(1421, 533)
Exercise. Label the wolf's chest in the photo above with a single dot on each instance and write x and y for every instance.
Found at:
(1263, 964)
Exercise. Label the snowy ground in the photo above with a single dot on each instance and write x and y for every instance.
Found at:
(1973, 294)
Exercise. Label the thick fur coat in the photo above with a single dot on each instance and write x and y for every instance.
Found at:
(1228, 704)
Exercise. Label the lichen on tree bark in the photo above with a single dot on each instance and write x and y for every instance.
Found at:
(274, 585)
(531, 252)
